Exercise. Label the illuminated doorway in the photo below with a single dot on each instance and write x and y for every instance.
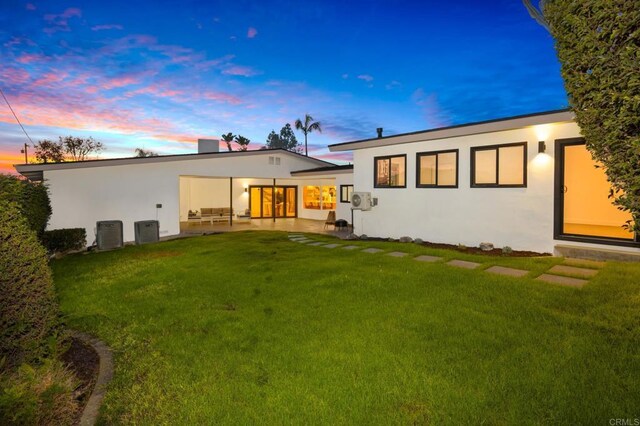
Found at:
(269, 201)
(584, 211)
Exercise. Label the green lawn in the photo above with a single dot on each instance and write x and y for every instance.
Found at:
(250, 328)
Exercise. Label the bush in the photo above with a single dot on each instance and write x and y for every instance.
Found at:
(28, 309)
(38, 396)
(63, 240)
(32, 199)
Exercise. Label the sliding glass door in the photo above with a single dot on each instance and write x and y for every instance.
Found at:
(270, 201)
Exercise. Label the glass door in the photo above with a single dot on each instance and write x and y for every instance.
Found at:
(586, 210)
(265, 200)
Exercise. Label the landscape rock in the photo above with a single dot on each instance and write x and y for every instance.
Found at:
(363, 237)
(418, 241)
(486, 246)
(406, 239)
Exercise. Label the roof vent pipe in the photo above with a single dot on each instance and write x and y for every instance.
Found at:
(379, 130)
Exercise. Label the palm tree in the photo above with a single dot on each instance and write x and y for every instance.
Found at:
(228, 138)
(308, 127)
(243, 142)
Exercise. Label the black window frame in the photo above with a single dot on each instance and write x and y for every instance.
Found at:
(375, 171)
(436, 153)
(497, 147)
(347, 200)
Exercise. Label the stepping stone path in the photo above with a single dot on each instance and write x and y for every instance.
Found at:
(372, 250)
(572, 270)
(463, 264)
(510, 272)
(575, 267)
(425, 258)
(397, 254)
(571, 273)
(565, 281)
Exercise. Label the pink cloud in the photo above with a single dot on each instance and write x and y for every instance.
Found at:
(28, 58)
(14, 76)
(240, 70)
(252, 32)
(221, 97)
(30, 6)
(60, 22)
(50, 79)
(106, 27)
(155, 90)
(121, 81)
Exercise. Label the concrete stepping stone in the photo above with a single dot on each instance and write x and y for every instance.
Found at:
(303, 241)
(425, 258)
(298, 238)
(397, 254)
(316, 243)
(564, 281)
(572, 270)
(510, 272)
(584, 263)
(351, 247)
(372, 250)
(331, 246)
(463, 264)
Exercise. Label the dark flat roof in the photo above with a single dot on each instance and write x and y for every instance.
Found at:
(345, 167)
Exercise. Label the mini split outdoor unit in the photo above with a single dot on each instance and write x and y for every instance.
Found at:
(147, 231)
(361, 201)
(109, 234)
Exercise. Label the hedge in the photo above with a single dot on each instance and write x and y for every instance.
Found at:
(598, 44)
(63, 240)
(32, 199)
(28, 308)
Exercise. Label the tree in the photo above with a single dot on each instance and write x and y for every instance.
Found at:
(48, 151)
(307, 127)
(78, 149)
(285, 140)
(243, 142)
(598, 47)
(140, 152)
(228, 138)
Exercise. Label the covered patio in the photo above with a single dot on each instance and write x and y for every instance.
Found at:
(281, 224)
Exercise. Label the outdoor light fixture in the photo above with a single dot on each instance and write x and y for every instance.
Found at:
(246, 189)
(542, 147)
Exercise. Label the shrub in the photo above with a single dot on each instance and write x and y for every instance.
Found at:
(507, 250)
(41, 395)
(32, 199)
(28, 309)
(63, 240)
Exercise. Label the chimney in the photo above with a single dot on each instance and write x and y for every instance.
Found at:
(208, 145)
(379, 130)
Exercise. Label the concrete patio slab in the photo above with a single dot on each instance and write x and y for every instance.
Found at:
(351, 247)
(372, 250)
(463, 264)
(397, 254)
(564, 281)
(572, 270)
(510, 272)
(425, 258)
(331, 246)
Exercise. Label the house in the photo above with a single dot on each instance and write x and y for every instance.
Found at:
(526, 182)
(215, 186)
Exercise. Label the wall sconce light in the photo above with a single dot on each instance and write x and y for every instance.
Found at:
(246, 189)
(542, 147)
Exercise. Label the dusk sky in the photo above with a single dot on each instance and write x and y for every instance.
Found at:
(158, 75)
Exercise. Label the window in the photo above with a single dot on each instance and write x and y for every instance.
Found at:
(345, 193)
(319, 198)
(437, 169)
(499, 166)
(390, 172)
(311, 197)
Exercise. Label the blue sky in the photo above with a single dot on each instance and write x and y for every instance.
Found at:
(161, 74)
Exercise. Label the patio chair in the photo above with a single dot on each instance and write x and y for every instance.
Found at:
(331, 219)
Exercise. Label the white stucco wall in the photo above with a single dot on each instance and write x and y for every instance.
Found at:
(82, 196)
(521, 218)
